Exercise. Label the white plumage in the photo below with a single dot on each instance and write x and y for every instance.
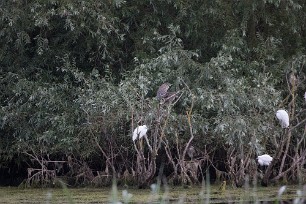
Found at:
(283, 118)
(264, 160)
(139, 132)
(305, 96)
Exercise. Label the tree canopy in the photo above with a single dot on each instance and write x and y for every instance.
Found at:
(77, 77)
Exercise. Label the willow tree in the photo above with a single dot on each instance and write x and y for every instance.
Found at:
(78, 76)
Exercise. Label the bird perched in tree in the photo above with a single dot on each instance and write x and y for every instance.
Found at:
(163, 94)
(191, 151)
(139, 132)
(264, 160)
(163, 90)
(283, 118)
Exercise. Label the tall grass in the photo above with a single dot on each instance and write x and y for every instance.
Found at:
(161, 192)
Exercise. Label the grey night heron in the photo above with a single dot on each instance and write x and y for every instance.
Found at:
(163, 95)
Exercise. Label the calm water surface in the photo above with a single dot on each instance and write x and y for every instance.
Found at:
(195, 194)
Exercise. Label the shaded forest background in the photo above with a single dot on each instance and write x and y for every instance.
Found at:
(77, 77)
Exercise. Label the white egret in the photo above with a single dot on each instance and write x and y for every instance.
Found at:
(264, 160)
(283, 118)
(305, 96)
(281, 190)
(139, 132)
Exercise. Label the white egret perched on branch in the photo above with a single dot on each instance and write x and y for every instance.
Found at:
(139, 132)
(283, 118)
(264, 160)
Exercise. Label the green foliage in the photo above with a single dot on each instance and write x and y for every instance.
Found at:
(77, 77)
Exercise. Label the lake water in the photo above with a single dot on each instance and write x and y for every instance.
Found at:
(196, 194)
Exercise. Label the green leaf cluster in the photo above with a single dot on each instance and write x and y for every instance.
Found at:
(76, 77)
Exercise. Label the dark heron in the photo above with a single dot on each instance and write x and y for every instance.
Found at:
(163, 95)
